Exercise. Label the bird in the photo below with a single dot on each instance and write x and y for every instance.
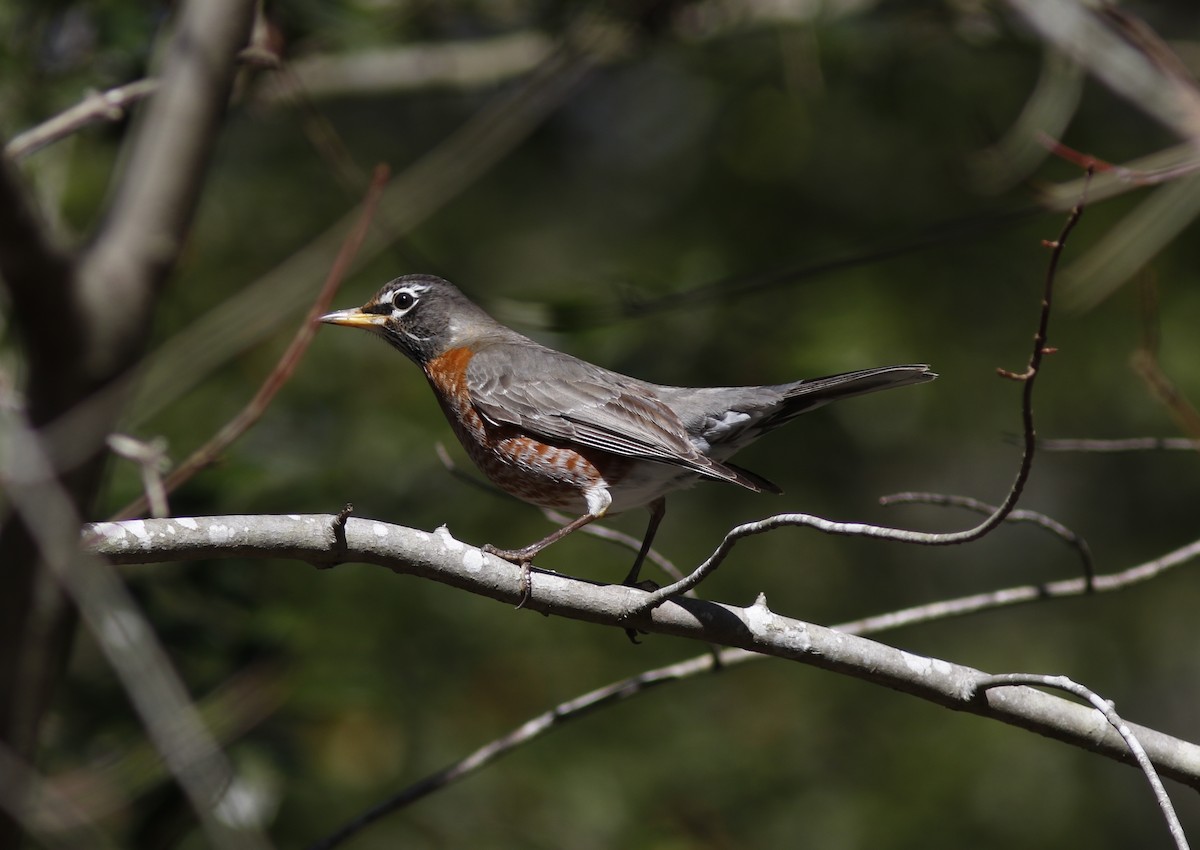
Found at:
(562, 433)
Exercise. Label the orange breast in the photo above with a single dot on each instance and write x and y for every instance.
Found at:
(544, 474)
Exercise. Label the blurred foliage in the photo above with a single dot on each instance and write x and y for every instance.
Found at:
(687, 163)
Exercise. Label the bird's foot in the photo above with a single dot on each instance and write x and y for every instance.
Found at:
(513, 556)
(525, 585)
(523, 558)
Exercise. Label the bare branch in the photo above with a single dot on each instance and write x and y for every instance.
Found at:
(1124, 55)
(1110, 714)
(83, 325)
(455, 64)
(46, 815)
(123, 634)
(711, 662)
(253, 411)
(921, 538)
(129, 768)
(535, 727)
(442, 558)
(151, 458)
(1146, 364)
(1128, 444)
(416, 193)
(159, 187)
(1033, 517)
(111, 105)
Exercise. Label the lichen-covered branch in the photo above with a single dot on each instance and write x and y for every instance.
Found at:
(327, 540)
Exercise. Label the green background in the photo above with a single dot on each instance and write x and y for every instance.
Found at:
(686, 167)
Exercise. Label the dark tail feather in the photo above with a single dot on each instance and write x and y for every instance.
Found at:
(803, 396)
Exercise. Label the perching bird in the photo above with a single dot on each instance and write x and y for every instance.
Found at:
(561, 433)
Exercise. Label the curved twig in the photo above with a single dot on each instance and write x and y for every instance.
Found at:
(1037, 518)
(1106, 708)
(900, 535)
(254, 409)
(708, 663)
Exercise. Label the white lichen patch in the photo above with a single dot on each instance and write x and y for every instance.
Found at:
(473, 560)
(188, 523)
(919, 664)
(220, 533)
(762, 620)
(443, 535)
(294, 517)
(112, 532)
(380, 529)
(942, 667)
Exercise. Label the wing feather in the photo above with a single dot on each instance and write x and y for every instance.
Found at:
(558, 397)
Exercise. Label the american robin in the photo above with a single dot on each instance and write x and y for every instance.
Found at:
(561, 433)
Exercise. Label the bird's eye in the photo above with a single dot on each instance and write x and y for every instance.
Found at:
(403, 301)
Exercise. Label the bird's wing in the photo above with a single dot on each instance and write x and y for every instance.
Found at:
(558, 397)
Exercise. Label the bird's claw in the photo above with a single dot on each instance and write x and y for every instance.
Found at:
(523, 560)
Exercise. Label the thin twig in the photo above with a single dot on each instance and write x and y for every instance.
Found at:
(535, 727)
(1128, 444)
(1146, 364)
(1106, 708)
(210, 451)
(709, 663)
(111, 105)
(49, 817)
(1132, 176)
(123, 634)
(1037, 518)
(856, 529)
(152, 461)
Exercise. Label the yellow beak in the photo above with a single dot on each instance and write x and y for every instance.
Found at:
(354, 318)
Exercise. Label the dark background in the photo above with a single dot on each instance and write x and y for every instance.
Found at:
(686, 167)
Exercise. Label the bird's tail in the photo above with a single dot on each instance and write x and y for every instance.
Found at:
(802, 396)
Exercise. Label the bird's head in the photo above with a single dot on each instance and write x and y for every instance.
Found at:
(422, 315)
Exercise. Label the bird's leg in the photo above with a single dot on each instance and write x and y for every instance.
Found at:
(526, 555)
(658, 508)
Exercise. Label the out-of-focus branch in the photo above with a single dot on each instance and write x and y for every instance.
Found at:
(127, 769)
(111, 105)
(253, 411)
(487, 61)
(455, 64)
(1047, 112)
(1124, 54)
(83, 324)
(123, 635)
(1146, 364)
(159, 185)
(442, 558)
(1127, 444)
(415, 194)
(48, 816)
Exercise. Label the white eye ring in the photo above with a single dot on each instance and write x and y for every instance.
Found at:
(403, 301)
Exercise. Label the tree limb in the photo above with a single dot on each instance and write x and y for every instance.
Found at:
(440, 557)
